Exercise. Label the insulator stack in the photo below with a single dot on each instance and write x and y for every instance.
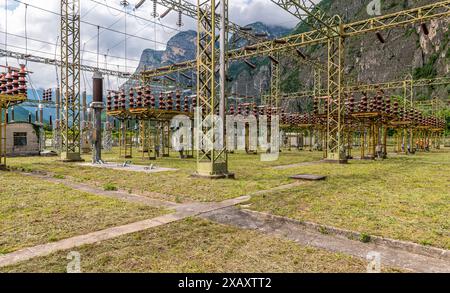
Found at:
(351, 104)
(372, 107)
(410, 114)
(15, 82)
(231, 111)
(178, 101)
(139, 97)
(255, 110)
(194, 103)
(387, 103)
(169, 102)
(161, 104)
(152, 101)
(363, 103)
(247, 110)
(186, 104)
(379, 102)
(283, 116)
(239, 110)
(132, 104)
(9, 84)
(2, 83)
(108, 101)
(147, 97)
(401, 114)
(22, 80)
(123, 100)
(416, 116)
(116, 101)
(316, 106)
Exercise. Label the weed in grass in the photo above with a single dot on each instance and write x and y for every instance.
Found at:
(59, 176)
(109, 187)
(323, 230)
(364, 238)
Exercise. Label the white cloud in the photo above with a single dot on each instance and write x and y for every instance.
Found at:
(44, 26)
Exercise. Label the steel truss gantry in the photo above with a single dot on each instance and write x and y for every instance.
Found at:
(212, 159)
(416, 15)
(70, 80)
(55, 62)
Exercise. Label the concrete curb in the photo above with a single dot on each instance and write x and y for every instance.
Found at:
(388, 242)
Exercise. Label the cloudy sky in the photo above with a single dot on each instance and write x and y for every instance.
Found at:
(42, 30)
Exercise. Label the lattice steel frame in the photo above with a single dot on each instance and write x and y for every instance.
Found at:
(210, 160)
(336, 105)
(70, 80)
(275, 74)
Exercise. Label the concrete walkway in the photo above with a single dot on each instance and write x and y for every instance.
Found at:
(296, 231)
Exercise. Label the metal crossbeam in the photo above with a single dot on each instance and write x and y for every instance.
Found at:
(55, 62)
(416, 15)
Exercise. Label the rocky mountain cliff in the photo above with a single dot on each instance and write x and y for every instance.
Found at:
(405, 51)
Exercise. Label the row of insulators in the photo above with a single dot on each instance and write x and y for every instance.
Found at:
(251, 109)
(142, 97)
(47, 95)
(297, 119)
(13, 82)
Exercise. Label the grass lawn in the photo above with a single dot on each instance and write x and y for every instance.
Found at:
(195, 245)
(34, 211)
(403, 197)
(251, 175)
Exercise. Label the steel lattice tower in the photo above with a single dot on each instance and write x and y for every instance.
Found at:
(70, 80)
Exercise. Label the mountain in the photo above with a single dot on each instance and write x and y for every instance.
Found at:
(406, 50)
(182, 47)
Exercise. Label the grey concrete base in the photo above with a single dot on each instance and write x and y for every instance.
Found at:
(219, 176)
(134, 168)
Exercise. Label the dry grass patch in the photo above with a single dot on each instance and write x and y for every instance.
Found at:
(34, 211)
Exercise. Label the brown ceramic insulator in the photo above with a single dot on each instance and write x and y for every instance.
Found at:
(161, 104)
(152, 101)
(387, 105)
(255, 111)
(363, 104)
(108, 102)
(123, 100)
(15, 76)
(186, 104)
(2, 82)
(231, 111)
(139, 98)
(316, 104)
(178, 101)
(147, 97)
(194, 104)
(239, 110)
(169, 102)
(116, 101)
(131, 99)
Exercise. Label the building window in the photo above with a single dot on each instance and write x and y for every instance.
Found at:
(20, 139)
